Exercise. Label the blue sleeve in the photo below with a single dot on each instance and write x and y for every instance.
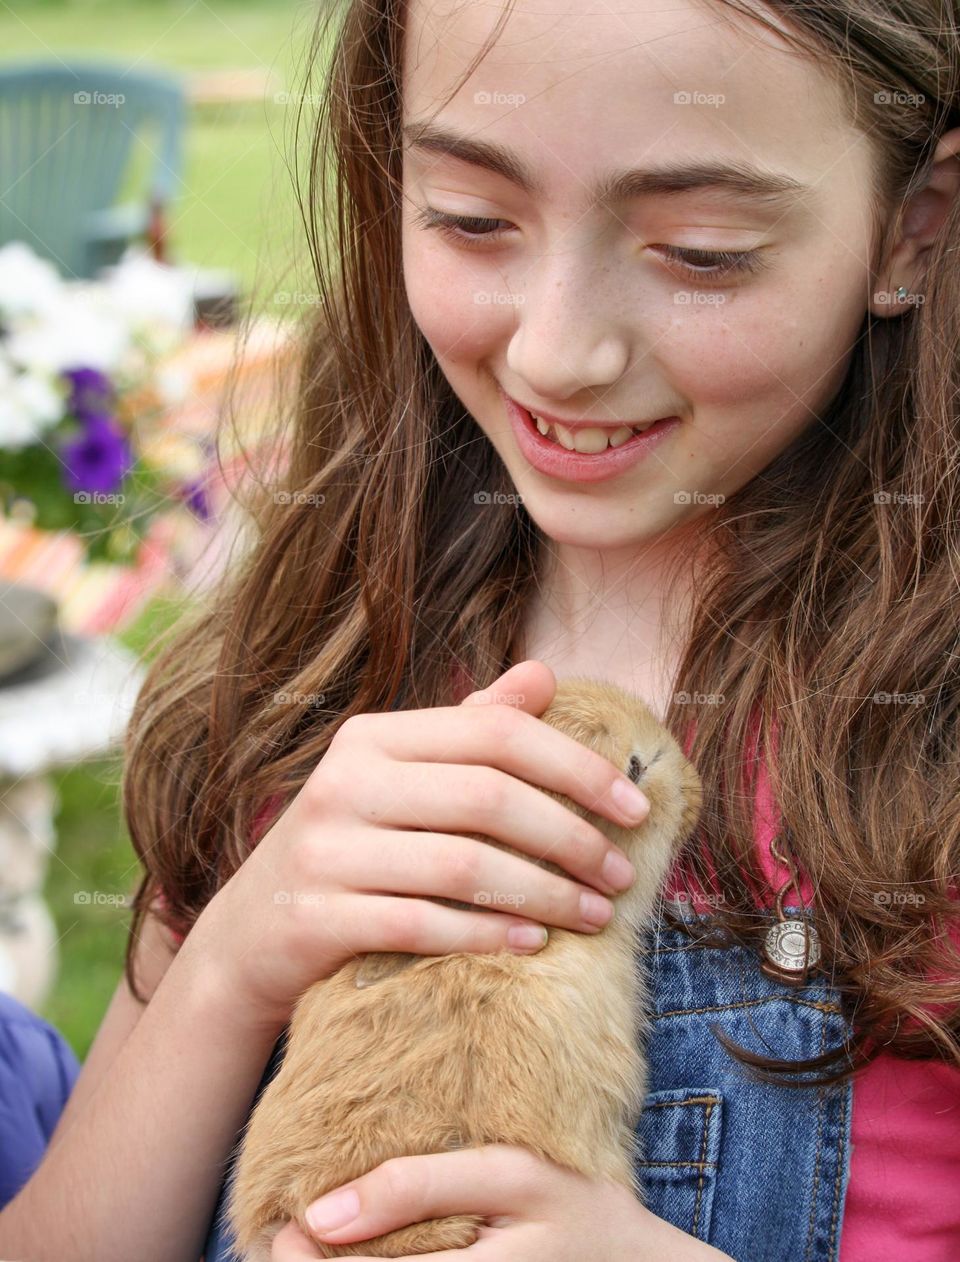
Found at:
(37, 1071)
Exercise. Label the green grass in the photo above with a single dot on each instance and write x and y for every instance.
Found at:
(94, 854)
(93, 857)
(236, 207)
(188, 34)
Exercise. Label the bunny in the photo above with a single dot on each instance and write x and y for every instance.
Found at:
(399, 1054)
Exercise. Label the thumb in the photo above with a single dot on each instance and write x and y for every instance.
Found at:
(529, 685)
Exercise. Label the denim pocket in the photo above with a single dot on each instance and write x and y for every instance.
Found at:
(679, 1133)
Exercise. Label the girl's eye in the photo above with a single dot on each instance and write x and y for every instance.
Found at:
(714, 262)
(464, 229)
(472, 231)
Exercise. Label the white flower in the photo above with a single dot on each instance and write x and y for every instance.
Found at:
(80, 332)
(29, 405)
(28, 283)
(120, 324)
(155, 299)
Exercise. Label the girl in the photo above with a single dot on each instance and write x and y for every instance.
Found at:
(736, 222)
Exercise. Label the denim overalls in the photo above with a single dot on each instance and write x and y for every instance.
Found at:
(757, 1170)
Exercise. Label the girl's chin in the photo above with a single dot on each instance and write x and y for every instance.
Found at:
(610, 528)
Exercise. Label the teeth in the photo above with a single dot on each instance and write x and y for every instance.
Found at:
(565, 437)
(620, 436)
(588, 441)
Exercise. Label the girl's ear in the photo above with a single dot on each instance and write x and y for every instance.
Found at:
(921, 220)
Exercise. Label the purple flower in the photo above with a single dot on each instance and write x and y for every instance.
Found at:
(99, 458)
(195, 495)
(91, 393)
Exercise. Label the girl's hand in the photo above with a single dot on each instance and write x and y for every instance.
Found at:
(533, 1209)
(381, 816)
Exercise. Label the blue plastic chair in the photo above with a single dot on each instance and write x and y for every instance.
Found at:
(68, 134)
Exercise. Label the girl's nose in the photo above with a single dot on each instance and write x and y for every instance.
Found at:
(568, 337)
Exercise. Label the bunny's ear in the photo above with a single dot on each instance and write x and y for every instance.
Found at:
(379, 965)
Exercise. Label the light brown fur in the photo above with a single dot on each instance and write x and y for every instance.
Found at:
(396, 1054)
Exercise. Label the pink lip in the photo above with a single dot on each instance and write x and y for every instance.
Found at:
(550, 458)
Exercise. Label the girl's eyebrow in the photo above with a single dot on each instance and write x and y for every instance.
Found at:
(773, 189)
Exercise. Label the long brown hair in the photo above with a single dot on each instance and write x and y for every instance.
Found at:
(832, 583)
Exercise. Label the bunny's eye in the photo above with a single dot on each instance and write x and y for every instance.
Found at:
(635, 769)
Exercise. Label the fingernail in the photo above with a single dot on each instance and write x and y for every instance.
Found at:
(618, 871)
(594, 908)
(333, 1211)
(630, 800)
(528, 937)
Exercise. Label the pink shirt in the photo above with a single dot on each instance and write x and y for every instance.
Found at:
(903, 1197)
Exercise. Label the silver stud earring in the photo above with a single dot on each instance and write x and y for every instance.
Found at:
(902, 293)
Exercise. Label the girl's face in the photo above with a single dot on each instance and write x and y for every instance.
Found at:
(614, 310)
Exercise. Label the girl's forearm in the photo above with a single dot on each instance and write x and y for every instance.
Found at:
(137, 1172)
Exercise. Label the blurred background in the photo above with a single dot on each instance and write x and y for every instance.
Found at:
(148, 236)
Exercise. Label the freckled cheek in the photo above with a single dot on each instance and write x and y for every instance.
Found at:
(757, 359)
(455, 305)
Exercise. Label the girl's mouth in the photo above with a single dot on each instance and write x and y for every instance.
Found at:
(583, 455)
(588, 441)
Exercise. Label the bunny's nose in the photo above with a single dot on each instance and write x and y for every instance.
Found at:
(636, 770)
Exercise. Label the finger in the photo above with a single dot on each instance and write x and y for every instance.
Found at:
(420, 927)
(291, 1245)
(487, 1248)
(505, 737)
(441, 798)
(445, 865)
(420, 1257)
(492, 1180)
